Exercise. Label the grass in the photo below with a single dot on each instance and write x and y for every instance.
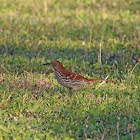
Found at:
(33, 105)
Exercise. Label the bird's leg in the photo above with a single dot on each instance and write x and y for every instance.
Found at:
(91, 83)
(70, 90)
(75, 91)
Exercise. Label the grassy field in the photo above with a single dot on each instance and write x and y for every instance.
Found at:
(33, 105)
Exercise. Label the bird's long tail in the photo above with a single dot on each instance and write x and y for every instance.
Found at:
(88, 80)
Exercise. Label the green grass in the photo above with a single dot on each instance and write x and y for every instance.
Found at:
(33, 105)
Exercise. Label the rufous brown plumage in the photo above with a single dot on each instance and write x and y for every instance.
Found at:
(67, 78)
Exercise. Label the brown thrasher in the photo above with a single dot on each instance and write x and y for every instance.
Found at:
(67, 78)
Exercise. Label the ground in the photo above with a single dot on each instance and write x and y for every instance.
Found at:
(94, 38)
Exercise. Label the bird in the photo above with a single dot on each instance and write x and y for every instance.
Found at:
(67, 78)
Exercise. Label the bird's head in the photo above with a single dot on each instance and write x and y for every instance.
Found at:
(55, 64)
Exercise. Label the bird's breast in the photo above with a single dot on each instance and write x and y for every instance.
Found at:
(67, 81)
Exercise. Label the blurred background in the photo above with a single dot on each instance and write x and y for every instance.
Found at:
(73, 31)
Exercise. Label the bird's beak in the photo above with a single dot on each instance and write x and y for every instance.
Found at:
(47, 64)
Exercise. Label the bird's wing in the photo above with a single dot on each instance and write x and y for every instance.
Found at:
(74, 76)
